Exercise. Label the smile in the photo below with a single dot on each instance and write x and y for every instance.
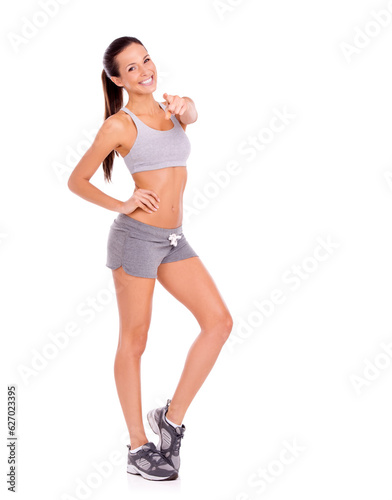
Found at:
(147, 82)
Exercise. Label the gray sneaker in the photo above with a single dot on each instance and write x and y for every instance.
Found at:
(169, 437)
(150, 463)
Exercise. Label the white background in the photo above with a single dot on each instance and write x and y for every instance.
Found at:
(295, 375)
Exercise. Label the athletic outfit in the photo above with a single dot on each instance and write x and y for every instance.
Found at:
(139, 247)
(154, 149)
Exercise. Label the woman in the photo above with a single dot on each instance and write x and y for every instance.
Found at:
(146, 243)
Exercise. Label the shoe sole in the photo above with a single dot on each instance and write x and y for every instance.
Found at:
(133, 470)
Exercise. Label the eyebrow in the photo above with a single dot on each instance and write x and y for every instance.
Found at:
(135, 63)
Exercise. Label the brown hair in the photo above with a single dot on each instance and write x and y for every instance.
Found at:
(113, 93)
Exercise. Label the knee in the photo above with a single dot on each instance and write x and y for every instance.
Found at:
(221, 326)
(133, 341)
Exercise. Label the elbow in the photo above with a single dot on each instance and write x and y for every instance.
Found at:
(70, 184)
(73, 184)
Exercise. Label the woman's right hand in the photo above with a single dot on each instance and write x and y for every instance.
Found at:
(145, 199)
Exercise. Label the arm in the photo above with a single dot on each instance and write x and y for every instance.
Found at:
(190, 115)
(106, 140)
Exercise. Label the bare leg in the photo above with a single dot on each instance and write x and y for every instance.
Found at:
(189, 281)
(134, 300)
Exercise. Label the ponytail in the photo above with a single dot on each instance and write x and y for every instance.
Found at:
(113, 94)
(113, 103)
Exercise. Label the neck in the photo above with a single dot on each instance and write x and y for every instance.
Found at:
(142, 104)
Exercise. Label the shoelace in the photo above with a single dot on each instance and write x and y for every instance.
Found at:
(179, 436)
(150, 452)
(177, 442)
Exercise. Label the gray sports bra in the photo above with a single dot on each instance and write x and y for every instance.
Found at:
(154, 149)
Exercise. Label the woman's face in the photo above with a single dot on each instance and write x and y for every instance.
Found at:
(135, 67)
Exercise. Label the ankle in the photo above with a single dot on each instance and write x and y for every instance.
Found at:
(174, 416)
(139, 441)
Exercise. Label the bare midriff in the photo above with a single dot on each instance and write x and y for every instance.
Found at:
(169, 184)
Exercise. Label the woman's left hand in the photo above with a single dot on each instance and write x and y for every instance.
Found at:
(175, 105)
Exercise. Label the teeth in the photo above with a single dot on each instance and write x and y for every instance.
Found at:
(147, 81)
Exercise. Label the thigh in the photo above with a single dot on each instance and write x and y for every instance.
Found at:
(189, 281)
(134, 300)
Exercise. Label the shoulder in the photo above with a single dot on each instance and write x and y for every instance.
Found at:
(117, 123)
(116, 130)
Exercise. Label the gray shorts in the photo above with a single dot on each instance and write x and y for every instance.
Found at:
(140, 248)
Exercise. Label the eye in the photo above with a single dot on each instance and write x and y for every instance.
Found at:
(147, 59)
